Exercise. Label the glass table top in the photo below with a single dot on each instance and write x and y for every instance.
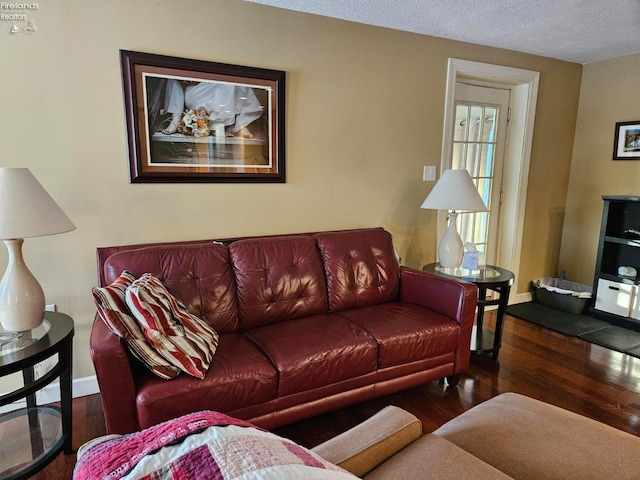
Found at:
(11, 342)
(487, 272)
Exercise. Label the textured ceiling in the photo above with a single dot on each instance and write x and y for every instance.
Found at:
(581, 31)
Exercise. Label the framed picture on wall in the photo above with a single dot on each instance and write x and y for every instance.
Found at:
(199, 121)
(626, 145)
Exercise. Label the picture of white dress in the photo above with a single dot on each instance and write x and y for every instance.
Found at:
(207, 122)
(232, 106)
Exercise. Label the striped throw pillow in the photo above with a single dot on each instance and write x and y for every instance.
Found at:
(183, 339)
(113, 310)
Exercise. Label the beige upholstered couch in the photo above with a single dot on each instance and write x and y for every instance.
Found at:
(509, 436)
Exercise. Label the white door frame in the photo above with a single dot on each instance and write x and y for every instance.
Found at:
(524, 88)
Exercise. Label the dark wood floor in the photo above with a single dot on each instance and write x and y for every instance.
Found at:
(565, 371)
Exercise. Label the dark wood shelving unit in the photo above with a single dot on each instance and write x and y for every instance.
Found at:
(617, 247)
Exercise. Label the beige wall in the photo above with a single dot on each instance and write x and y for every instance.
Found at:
(609, 95)
(364, 112)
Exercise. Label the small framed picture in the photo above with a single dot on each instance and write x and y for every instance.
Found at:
(626, 145)
(199, 121)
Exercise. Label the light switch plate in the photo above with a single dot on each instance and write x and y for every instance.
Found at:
(429, 174)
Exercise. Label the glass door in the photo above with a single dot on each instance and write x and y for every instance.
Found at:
(479, 137)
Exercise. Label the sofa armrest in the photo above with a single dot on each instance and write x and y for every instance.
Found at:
(451, 297)
(115, 378)
(448, 296)
(368, 444)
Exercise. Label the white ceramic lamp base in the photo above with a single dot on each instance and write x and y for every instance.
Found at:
(451, 248)
(21, 297)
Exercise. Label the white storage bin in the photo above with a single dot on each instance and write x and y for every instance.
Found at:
(614, 297)
(635, 308)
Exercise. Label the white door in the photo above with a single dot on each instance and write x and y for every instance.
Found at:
(479, 137)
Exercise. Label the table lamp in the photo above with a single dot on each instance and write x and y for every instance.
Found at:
(26, 210)
(455, 192)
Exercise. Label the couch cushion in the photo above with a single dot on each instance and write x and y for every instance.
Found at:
(434, 457)
(315, 351)
(183, 339)
(199, 275)
(361, 267)
(405, 332)
(239, 376)
(278, 278)
(112, 309)
(529, 439)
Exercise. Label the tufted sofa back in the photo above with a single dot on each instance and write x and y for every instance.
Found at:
(263, 280)
(278, 278)
(199, 275)
(361, 268)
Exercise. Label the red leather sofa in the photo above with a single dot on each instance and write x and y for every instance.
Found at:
(308, 323)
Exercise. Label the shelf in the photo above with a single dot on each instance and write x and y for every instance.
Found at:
(482, 341)
(631, 242)
(621, 198)
(34, 432)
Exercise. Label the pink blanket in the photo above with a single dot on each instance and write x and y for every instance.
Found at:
(114, 458)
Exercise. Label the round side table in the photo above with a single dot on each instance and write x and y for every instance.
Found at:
(491, 278)
(37, 433)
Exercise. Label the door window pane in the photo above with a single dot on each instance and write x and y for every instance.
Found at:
(490, 122)
(462, 123)
(458, 160)
(474, 148)
(475, 123)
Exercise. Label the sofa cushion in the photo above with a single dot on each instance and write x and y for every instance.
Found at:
(199, 275)
(315, 351)
(434, 457)
(183, 339)
(405, 332)
(112, 309)
(532, 440)
(361, 267)
(239, 376)
(278, 278)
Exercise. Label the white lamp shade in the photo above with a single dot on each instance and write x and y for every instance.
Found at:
(455, 191)
(26, 209)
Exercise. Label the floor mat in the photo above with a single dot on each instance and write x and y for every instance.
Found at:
(588, 328)
(617, 338)
(557, 320)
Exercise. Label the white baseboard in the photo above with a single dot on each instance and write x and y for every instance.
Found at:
(513, 299)
(81, 388)
(521, 298)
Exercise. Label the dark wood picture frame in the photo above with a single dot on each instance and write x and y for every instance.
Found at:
(626, 144)
(198, 121)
